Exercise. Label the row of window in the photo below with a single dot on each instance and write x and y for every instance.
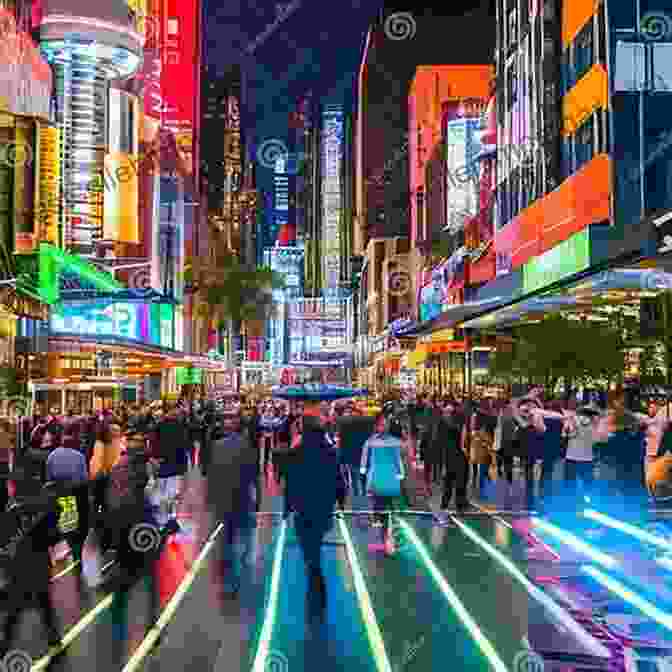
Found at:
(588, 48)
(589, 140)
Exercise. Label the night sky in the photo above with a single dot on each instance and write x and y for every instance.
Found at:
(312, 45)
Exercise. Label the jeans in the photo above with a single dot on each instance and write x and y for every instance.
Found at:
(455, 478)
(481, 477)
(310, 536)
(236, 545)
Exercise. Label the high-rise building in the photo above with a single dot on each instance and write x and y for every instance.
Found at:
(109, 47)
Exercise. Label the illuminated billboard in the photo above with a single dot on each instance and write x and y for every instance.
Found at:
(121, 320)
(332, 152)
(49, 176)
(462, 147)
(147, 323)
(179, 64)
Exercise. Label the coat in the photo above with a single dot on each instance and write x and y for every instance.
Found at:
(312, 483)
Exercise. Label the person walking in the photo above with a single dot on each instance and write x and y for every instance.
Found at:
(579, 460)
(233, 496)
(313, 489)
(383, 465)
(32, 530)
(67, 469)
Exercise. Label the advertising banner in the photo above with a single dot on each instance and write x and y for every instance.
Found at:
(570, 257)
(462, 147)
(332, 150)
(49, 185)
(179, 63)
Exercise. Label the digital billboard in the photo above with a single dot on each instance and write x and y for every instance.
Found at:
(148, 323)
(179, 65)
(332, 151)
(462, 147)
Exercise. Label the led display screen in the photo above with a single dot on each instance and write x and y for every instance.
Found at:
(462, 147)
(151, 324)
(332, 150)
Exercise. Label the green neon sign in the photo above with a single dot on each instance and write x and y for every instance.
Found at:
(569, 257)
(52, 261)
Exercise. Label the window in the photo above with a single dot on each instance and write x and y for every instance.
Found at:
(584, 142)
(583, 51)
(662, 67)
(565, 158)
(629, 72)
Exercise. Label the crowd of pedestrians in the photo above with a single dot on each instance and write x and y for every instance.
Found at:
(91, 479)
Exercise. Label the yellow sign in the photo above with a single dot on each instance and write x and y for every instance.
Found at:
(49, 180)
(121, 200)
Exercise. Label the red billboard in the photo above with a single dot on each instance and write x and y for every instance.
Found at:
(180, 65)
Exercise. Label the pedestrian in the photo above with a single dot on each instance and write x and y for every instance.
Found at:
(67, 468)
(382, 464)
(579, 459)
(31, 527)
(313, 485)
(480, 452)
(233, 496)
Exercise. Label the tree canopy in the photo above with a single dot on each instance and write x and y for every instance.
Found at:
(561, 349)
(238, 292)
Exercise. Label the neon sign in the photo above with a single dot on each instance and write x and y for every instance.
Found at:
(52, 262)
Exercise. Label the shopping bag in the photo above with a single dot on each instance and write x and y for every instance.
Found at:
(92, 561)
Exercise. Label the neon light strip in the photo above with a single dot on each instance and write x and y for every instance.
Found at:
(576, 544)
(169, 611)
(626, 528)
(561, 615)
(264, 646)
(468, 622)
(616, 587)
(372, 628)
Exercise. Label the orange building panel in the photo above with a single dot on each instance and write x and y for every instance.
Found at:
(575, 15)
(581, 200)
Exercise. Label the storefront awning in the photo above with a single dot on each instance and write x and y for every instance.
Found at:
(455, 315)
(626, 279)
(512, 314)
(578, 296)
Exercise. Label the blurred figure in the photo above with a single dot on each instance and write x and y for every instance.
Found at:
(313, 485)
(233, 497)
(354, 432)
(33, 531)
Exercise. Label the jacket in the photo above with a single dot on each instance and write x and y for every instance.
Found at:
(172, 443)
(481, 445)
(232, 481)
(354, 432)
(313, 479)
(383, 466)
